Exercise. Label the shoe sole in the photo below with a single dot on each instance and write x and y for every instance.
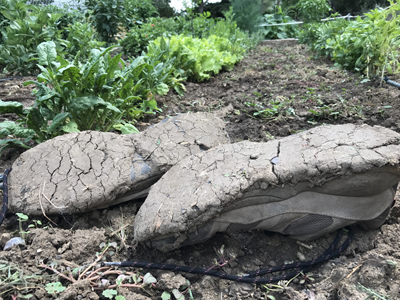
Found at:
(305, 186)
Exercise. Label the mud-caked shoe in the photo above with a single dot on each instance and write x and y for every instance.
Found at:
(304, 186)
(82, 171)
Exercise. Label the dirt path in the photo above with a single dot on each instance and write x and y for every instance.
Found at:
(278, 90)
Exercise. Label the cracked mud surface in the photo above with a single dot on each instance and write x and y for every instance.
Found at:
(90, 170)
(271, 72)
(343, 160)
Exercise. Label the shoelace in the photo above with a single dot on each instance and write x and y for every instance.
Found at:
(302, 267)
(5, 194)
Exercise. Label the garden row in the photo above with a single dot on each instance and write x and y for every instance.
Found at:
(368, 44)
(83, 86)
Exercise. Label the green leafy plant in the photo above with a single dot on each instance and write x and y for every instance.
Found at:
(82, 97)
(54, 288)
(21, 219)
(247, 14)
(167, 66)
(209, 55)
(71, 96)
(275, 108)
(278, 32)
(80, 38)
(311, 10)
(28, 27)
(321, 37)
(137, 12)
(15, 283)
(368, 45)
(139, 37)
(12, 134)
(107, 17)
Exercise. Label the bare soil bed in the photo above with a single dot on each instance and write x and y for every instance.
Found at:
(277, 90)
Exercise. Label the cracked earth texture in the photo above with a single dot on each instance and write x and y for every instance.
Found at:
(276, 71)
(235, 182)
(84, 171)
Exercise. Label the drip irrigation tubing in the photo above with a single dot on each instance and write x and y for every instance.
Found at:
(5, 194)
(300, 267)
(12, 78)
(391, 82)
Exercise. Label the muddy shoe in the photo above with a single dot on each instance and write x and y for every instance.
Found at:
(83, 171)
(304, 185)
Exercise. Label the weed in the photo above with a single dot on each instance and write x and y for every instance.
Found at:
(15, 283)
(97, 276)
(279, 107)
(371, 293)
(22, 218)
(54, 288)
(111, 293)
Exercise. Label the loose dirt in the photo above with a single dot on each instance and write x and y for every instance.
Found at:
(278, 90)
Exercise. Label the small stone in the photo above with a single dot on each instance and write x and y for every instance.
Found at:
(4, 238)
(14, 241)
(301, 256)
(169, 281)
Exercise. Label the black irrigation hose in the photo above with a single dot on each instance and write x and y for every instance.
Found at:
(12, 78)
(5, 195)
(391, 82)
(304, 267)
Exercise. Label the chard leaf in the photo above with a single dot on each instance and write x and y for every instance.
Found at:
(47, 53)
(11, 107)
(149, 106)
(125, 91)
(70, 127)
(100, 81)
(36, 121)
(58, 121)
(71, 73)
(96, 55)
(12, 128)
(86, 103)
(12, 143)
(112, 107)
(114, 65)
(126, 128)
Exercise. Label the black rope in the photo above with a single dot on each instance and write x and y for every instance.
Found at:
(301, 267)
(5, 195)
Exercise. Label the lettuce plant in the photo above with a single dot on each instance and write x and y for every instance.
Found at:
(201, 57)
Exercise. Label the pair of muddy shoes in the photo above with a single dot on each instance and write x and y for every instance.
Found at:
(304, 185)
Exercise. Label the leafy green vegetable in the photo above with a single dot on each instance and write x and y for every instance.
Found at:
(278, 32)
(200, 57)
(28, 27)
(367, 44)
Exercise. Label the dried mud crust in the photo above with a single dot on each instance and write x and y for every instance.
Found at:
(343, 160)
(83, 171)
(270, 70)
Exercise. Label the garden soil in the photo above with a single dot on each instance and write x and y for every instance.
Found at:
(279, 89)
